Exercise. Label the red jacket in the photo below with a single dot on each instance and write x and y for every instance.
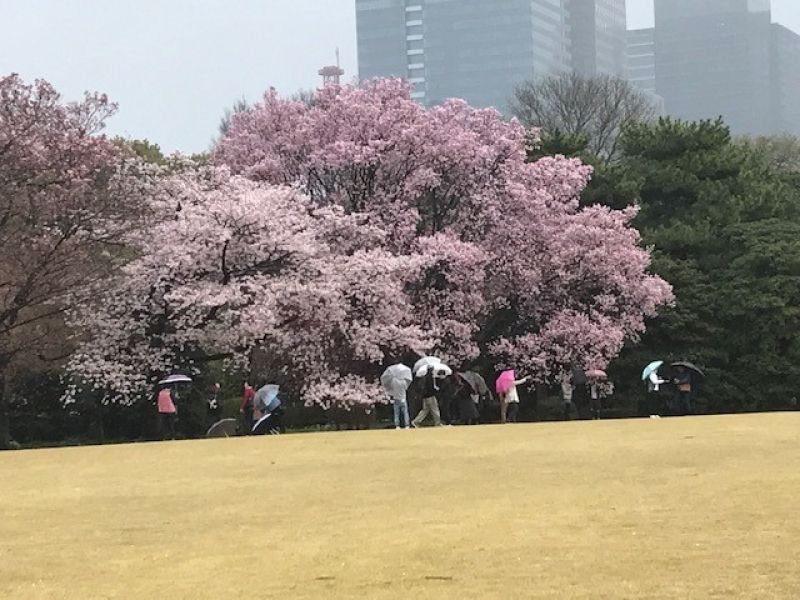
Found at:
(247, 399)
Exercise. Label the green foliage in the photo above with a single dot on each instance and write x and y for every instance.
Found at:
(145, 150)
(561, 143)
(725, 228)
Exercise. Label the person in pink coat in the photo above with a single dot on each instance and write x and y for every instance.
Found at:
(506, 388)
(167, 412)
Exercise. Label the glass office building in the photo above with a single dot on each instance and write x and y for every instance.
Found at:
(478, 50)
(597, 35)
(785, 73)
(712, 59)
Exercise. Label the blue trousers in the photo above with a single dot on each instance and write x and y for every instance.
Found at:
(401, 406)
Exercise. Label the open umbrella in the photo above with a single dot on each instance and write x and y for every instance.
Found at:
(475, 382)
(505, 382)
(578, 376)
(396, 379)
(175, 378)
(651, 368)
(426, 363)
(596, 374)
(266, 398)
(689, 366)
(223, 428)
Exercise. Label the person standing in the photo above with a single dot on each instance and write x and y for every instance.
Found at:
(167, 412)
(400, 405)
(683, 383)
(567, 391)
(268, 411)
(430, 404)
(595, 393)
(511, 399)
(214, 408)
(246, 407)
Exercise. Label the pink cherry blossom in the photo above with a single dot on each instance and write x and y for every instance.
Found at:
(510, 255)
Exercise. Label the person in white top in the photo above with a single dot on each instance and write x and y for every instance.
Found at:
(567, 390)
(654, 381)
(511, 401)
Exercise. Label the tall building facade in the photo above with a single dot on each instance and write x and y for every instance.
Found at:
(640, 59)
(713, 58)
(640, 65)
(480, 50)
(785, 72)
(597, 36)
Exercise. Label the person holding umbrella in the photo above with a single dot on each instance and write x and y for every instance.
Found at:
(395, 380)
(467, 398)
(596, 378)
(429, 370)
(685, 374)
(167, 401)
(267, 408)
(167, 412)
(506, 387)
(478, 390)
(650, 375)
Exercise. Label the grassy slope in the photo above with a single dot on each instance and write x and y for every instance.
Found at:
(681, 508)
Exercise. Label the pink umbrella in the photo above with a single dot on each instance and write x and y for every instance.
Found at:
(596, 374)
(505, 382)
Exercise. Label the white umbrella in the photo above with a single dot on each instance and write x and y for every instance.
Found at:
(223, 428)
(396, 379)
(424, 364)
(175, 378)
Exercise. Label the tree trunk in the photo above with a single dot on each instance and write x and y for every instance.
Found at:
(5, 392)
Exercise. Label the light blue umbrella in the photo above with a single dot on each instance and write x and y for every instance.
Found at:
(266, 398)
(651, 368)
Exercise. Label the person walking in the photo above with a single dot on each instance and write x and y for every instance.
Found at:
(167, 412)
(430, 405)
(567, 391)
(246, 407)
(468, 399)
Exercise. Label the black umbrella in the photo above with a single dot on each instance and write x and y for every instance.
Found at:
(578, 376)
(475, 382)
(687, 365)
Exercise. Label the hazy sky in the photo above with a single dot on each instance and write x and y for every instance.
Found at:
(174, 65)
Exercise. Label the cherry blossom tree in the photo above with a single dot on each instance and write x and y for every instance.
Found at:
(520, 269)
(224, 266)
(66, 196)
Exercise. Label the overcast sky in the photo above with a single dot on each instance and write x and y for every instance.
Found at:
(174, 65)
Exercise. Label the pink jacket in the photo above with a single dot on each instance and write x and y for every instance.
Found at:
(165, 403)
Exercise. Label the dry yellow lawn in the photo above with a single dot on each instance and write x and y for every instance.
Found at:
(679, 508)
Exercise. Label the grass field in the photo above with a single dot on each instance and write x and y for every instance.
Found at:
(671, 508)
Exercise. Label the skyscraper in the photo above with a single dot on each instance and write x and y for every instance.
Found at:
(640, 57)
(713, 59)
(785, 73)
(480, 50)
(597, 35)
